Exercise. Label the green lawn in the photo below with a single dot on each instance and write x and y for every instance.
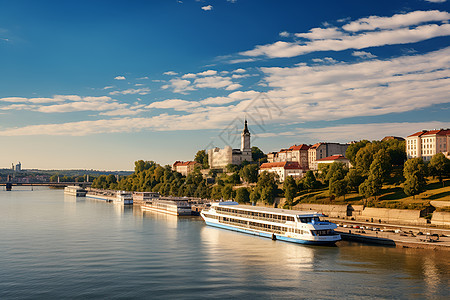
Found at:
(391, 196)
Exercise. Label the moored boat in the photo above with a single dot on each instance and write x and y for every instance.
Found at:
(75, 190)
(301, 227)
(171, 206)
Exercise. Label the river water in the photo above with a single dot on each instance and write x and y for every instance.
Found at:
(54, 246)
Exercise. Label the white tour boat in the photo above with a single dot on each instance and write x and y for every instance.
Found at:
(171, 206)
(295, 226)
(75, 190)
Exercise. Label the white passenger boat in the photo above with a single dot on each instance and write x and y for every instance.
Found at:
(295, 226)
(171, 206)
(75, 190)
(120, 197)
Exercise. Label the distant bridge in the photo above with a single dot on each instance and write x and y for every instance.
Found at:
(9, 185)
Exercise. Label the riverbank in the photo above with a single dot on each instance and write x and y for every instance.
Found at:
(402, 236)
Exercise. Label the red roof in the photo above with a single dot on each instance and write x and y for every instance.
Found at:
(299, 147)
(333, 157)
(315, 146)
(184, 163)
(430, 132)
(281, 164)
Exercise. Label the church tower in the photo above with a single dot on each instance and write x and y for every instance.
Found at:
(245, 139)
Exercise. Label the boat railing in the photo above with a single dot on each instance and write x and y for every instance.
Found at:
(269, 230)
(255, 217)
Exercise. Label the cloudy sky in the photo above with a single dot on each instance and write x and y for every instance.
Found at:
(100, 84)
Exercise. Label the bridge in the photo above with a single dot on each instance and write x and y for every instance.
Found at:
(9, 185)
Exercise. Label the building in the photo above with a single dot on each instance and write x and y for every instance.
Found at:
(184, 167)
(334, 158)
(426, 143)
(322, 150)
(17, 167)
(283, 169)
(297, 153)
(220, 158)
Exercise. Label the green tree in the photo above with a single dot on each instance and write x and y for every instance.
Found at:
(216, 192)
(353, 179)
(258, 155)
(202, 158)
(414, 172)
(268, 195)
(227, 192)
(242, 195)
(254, 195)
(440, 166)
(338, 187)
(249, 173)
(353, 149)
(290, 189)
(234, 179)
(309, 181)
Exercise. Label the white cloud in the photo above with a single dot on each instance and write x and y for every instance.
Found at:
(120, 77)
(109, 87)
(396, 21)
(368, 88)
(372, 131)
(179, 85)
(233, 97)
(176, 104)
(170, 73)
(363, 54)
(436, 1)
(213, 82)
(189, 75)
(241, 60)
(321, 34)
(233, 87)
(142, 78)
(391, 31)
(284, 34)
(325, 59)
(207, 73)
(207, 7)
(142, 91)
(240, 70)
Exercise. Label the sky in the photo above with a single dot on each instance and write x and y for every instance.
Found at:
(101, 84)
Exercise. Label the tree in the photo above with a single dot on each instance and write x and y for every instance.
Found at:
(353, 179)
(227, 192)
(254, 195)
(268, 195)
(249, 173)
(353, 149)
(440, 166)
(338, 187)
(309, 182)
(232, 168)
(242, 195)
(290, 189)
(258, 155)
(202, 158)
(234, 179)
(414, 172)
(216, 192)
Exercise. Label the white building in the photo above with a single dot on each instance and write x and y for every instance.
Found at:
(334, 158)
(283, 169)
(298, 153)
(184, 167)
(220, 158)
(322, 150)
(426, 143)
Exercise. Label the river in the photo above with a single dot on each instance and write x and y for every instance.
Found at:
(54, 246)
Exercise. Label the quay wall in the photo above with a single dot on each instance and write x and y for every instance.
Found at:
(441, 218)
(387, 215)
(333, 211)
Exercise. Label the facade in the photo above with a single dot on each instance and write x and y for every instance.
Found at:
(184, 167)
(283, 169)
(220, 158)
(296, 153)
(426, 143)
(334, 158)
(322, 150)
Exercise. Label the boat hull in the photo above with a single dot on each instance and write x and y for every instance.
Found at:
(271, 236)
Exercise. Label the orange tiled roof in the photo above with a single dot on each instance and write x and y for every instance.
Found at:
(281, 164)
(333, 157)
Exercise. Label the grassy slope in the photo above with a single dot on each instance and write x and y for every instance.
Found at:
(391, 196)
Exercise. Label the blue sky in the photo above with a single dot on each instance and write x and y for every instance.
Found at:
(100, 84)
